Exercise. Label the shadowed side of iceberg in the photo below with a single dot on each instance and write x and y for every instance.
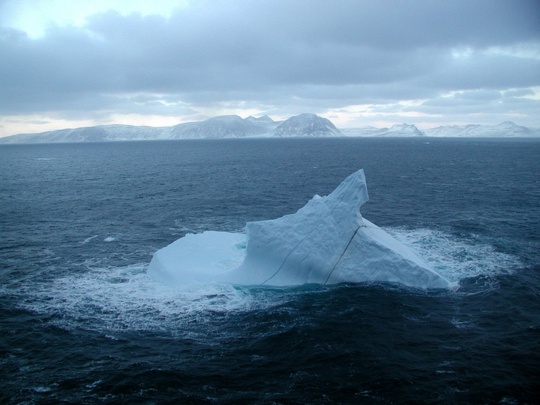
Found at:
(325, 242)
(374, 255)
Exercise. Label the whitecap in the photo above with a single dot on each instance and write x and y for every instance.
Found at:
(89, 239)
(118, 299)
(457, 258)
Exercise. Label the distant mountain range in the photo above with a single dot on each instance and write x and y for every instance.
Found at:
(306, 125)
(233, 126)
(504, 130)
(400, 130)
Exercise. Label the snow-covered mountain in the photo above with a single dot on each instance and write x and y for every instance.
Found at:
(264, 120)
(309, 125)
(505, 129)
(398, 130)
(101, 133)
(225, 126)
(233, 126)
(401, 130)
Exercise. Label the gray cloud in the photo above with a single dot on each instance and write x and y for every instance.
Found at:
(477, 106)
(300, 54)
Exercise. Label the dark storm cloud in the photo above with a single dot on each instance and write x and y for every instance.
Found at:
(331, 53)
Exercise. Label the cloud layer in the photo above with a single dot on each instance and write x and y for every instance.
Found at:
(439, 60)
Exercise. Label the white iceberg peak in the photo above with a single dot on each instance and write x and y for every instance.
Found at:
(325, 242)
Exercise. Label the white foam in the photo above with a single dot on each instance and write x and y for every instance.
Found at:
(455, 258)
(89, 239)
(109, 239)
(41, 389)
(126, 299)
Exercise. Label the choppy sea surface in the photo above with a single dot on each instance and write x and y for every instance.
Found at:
(81, 322)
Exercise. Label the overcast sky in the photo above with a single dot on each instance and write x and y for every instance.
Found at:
(87, 62)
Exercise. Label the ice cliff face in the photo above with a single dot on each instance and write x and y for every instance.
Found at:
(325, 242)
(306, 125)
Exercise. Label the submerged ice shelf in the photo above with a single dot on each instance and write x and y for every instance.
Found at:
(325, 242)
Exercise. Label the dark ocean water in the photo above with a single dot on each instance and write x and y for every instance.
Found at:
(81, 322)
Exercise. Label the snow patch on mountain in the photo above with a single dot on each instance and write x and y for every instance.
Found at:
(233, 126)
(305, 125)
(101, 133)
(504, 129)
(226, 126)
(402, 130)
(398, 130)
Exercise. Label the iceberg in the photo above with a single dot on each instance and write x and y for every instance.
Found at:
(325, 242)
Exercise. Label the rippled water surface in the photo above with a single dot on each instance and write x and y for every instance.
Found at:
(80, 320)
